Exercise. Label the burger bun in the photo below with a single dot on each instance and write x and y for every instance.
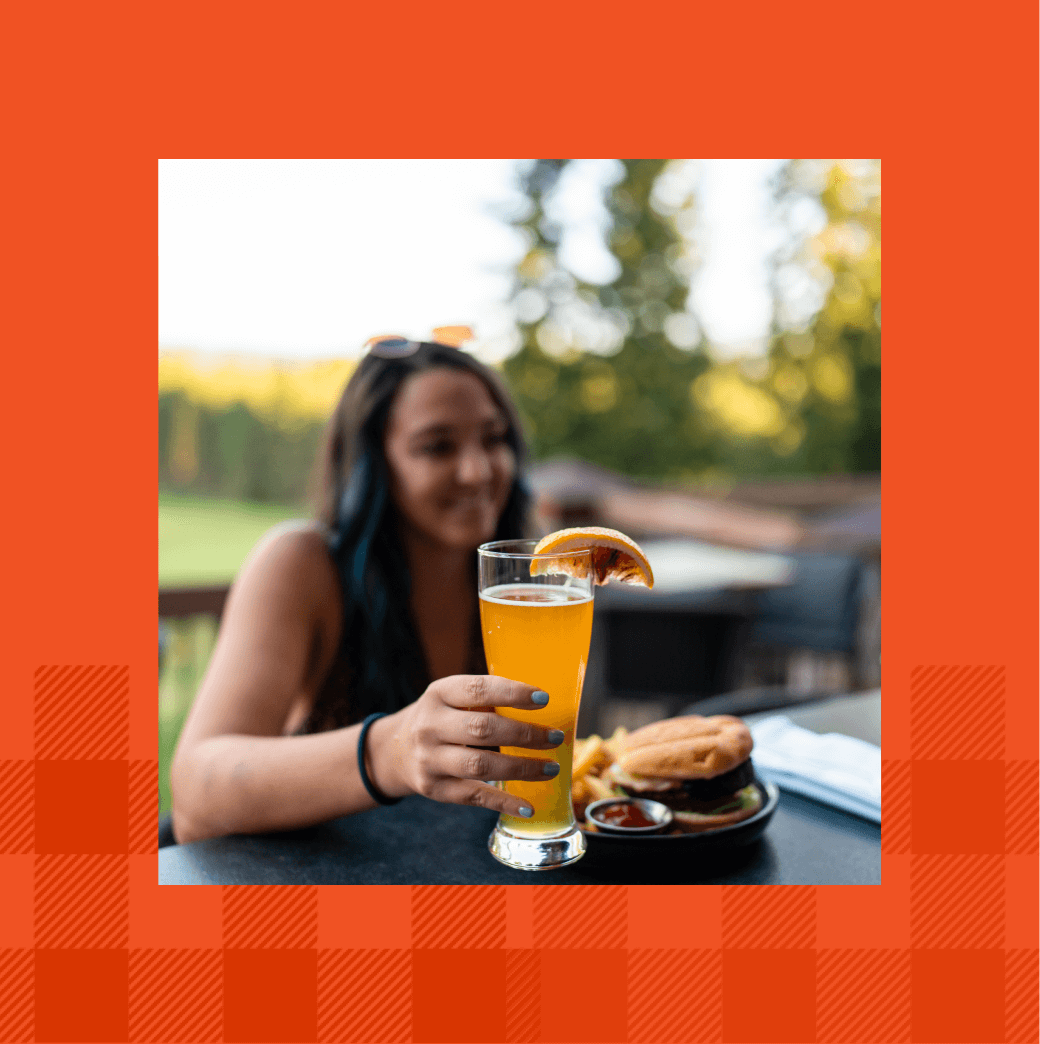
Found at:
(689, 747)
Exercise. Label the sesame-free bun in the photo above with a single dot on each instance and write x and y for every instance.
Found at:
(690, 747)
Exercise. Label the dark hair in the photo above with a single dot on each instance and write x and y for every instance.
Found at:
(380, 648)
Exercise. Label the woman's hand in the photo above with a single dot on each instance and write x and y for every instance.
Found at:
(428, 747)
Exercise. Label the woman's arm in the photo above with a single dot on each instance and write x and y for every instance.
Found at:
(234, 770)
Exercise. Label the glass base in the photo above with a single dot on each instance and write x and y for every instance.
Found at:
(536, 853)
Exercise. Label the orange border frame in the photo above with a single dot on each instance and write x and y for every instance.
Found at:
(100, 94)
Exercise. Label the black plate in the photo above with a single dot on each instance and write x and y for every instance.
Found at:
(742, 833)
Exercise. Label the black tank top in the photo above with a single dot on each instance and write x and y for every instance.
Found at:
(331, 708)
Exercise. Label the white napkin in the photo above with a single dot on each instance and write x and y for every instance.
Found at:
(835, 769)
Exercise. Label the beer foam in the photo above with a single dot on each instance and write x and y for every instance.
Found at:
(534, 595)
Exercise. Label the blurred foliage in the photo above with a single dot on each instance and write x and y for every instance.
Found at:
(600, 374)
(233, 453)
(288, 395)
(619, 375)
(842, 409)
(616, 374)
(813, 404)
(243, 429)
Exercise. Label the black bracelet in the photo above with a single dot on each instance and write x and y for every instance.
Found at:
(374, 791)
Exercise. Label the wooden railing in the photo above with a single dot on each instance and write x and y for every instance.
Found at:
(192, 601)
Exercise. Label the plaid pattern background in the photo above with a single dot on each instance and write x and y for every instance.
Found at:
(99, 95)
(92, 949)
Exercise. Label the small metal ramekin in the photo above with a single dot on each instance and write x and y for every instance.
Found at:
(660, 814)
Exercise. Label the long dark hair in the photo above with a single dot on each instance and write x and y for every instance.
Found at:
(381, 662)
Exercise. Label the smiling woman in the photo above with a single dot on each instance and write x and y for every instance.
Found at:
(451, 469)
(450, 461)
(349, 670)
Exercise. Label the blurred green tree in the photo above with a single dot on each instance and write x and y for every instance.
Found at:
(837, 360)
(813, 404)
(234, 452)
(604, 371)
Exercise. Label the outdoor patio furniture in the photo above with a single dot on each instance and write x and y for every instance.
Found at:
(655, 651)
(817, 632)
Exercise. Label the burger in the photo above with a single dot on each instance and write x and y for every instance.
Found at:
(699, 767)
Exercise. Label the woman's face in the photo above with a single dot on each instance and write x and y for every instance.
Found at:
(451, 468)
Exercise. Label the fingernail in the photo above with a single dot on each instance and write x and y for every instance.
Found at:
(541, 698)
(550, 768)
(555, 736)
(526, 812)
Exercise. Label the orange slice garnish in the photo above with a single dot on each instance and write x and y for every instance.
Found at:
(614, 556)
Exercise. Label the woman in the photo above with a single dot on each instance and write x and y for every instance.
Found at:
(373, 610)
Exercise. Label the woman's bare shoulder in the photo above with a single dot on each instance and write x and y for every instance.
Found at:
(292, 562)
(299, 539)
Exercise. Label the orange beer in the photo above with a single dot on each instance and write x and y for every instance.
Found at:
(539, 634)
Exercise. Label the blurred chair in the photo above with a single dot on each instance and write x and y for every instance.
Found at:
(818, 636)
(651, 654)
(818, 609)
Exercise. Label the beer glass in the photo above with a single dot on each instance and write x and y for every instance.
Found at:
(536, 618)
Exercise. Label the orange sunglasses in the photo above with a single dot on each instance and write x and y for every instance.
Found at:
(395, 346)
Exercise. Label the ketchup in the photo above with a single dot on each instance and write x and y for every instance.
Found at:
(623, 814)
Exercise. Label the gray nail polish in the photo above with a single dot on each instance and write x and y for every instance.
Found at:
(526, 812)
(550, 768)
(555, 736)
(541, 698)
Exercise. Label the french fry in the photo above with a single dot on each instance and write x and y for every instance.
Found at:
(580, 746)
(584, 762)
(580, 791)
(612, 746)
(597, 788)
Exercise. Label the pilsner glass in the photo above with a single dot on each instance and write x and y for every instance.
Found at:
(537, 630)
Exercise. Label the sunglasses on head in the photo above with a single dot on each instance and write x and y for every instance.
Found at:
(394, 346)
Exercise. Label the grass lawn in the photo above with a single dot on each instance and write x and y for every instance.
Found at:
(200, 542)
(205, 541)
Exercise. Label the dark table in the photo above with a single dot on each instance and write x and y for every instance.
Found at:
(423, 842)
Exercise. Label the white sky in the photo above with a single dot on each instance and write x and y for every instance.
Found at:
(309, 258)
(730, 293)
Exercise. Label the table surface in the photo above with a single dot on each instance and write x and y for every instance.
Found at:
(424, 842)
(693, 565)
(858, 714)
